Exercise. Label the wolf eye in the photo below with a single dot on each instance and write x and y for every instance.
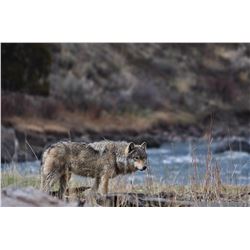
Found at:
(136, 158)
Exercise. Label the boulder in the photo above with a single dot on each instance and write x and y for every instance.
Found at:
(239, 145)
(9, 144)
(29, 197)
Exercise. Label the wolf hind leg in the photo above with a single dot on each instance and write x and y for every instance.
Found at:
(64, 181)
(96, 184)
(49, 180)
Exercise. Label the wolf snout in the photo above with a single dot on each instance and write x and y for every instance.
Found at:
(144, 168)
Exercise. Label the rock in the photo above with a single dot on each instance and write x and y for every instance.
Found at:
(194, 131)
(31, 145)
(9, 144)
(239, 145)
(34, 139)
(21, 146)
(29, 197)
(153, 141)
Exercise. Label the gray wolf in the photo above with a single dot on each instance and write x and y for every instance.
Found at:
(99, 160)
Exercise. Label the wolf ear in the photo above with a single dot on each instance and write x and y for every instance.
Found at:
(130, 147)
(144, 145)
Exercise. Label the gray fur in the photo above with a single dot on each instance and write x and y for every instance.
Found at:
(100, 160)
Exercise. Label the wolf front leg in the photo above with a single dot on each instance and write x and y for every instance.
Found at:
(96, 184)
(104, 184)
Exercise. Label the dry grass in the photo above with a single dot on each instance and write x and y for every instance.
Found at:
(196, 194)
(14, 178)
(65, 121)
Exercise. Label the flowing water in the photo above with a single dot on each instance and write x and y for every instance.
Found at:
(178, 163)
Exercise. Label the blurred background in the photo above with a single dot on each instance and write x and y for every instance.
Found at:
(153, 92)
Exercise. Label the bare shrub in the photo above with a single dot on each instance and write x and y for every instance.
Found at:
(26, 105)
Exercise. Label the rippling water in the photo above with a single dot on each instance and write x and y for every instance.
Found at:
(173, 163)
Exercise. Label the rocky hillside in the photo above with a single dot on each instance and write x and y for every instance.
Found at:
(195, 78)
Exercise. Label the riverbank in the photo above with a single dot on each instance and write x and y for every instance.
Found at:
(123, 194)
(24, 139)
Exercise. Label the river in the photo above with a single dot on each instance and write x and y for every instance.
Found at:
(174, 163)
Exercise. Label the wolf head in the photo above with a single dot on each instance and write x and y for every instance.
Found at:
(137, 156)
